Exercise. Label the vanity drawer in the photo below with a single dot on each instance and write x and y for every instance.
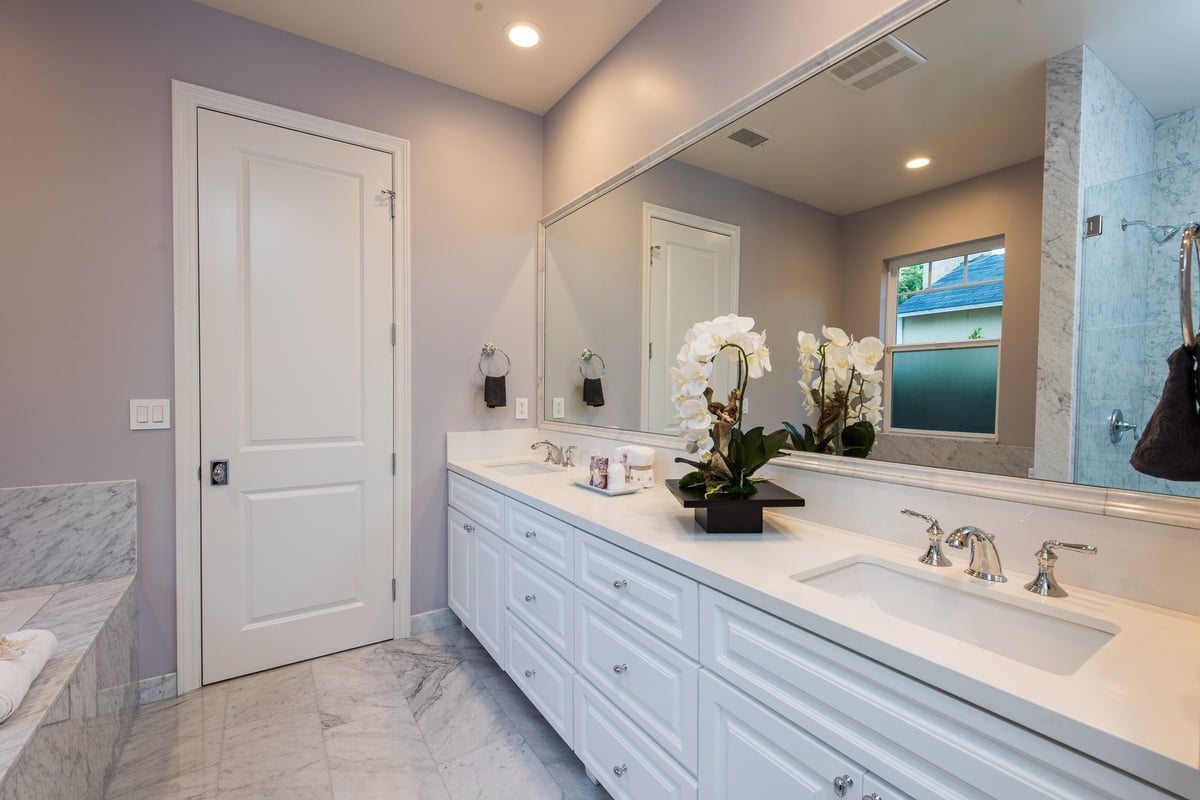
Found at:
(650, 681)
(664, 602)
(484, 505)
(546, 679)
(621, 757)
(543, 600)
(547, 539)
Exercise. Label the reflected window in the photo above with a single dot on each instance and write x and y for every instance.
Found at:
(943, 330)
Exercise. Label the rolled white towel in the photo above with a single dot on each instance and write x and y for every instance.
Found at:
(18, 673)
(640, 460)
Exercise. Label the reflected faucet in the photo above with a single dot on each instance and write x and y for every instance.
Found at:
(985, 560)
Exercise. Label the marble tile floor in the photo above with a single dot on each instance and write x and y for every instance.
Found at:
(426, 718)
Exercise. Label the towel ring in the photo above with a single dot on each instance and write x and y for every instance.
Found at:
(1190, 241)
(490, 350)
(586, 357)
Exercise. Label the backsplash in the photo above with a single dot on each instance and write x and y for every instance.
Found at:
(67, 532)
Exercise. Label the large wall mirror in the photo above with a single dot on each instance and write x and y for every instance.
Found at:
(1035, 115)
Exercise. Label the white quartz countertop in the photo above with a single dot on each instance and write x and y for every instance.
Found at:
(1135, 704)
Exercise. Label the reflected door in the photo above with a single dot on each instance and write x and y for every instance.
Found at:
(691, 276)
(296, 394)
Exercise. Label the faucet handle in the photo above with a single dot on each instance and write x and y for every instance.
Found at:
(933, 556)
(569, 455)
(1045, 584)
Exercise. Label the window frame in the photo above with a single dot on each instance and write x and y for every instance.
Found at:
(891, 269)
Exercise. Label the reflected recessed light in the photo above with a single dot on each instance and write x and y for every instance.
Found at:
(918, 162)
(522, 33)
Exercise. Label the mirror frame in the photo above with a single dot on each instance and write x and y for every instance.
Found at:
(1139, 506)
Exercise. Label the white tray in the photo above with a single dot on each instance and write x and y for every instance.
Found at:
(609, 492)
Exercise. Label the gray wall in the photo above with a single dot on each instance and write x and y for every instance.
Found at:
(685, 62)
(1007, 201)
(85, 241)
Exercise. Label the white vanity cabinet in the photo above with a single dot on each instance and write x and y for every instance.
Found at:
(475, 562)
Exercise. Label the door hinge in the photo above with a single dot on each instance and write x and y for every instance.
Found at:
(393, 590)
(393, 334)
(391, 193)
(200, 473)
(393, 463)
(651, 353)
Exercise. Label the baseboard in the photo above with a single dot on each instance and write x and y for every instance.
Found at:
(159, 687)
(433, 620)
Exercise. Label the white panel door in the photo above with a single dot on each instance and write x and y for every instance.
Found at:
(296, 392)
(692, 278)
(487, 593)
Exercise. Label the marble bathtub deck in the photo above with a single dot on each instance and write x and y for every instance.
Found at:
(426, 718)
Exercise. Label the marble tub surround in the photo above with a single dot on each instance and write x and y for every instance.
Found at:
(1136, 714)
(64, 739)
(67, 532)
(431, 717)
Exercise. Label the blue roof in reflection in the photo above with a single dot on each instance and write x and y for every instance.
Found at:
(987, 267)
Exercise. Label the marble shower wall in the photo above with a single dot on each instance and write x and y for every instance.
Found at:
(67, 532)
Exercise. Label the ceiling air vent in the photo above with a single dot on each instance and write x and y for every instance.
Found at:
(748, 137)
(885, 59)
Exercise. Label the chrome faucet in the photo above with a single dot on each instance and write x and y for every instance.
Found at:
(985, 560)
(1045, 584)
(555, 454)
(934, 556)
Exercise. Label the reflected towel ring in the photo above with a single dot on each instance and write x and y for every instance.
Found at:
(586, 357)
(490, 350)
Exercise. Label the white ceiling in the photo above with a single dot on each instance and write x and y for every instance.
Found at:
(460, 42)
(977, 104)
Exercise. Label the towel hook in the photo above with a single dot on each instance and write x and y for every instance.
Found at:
(1189, 241)
(586, 357)
(489, 350)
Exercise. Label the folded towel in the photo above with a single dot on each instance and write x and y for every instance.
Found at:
(494, 393)
(1170, 445)
(640, 461)
(18, 673)
(593, 392)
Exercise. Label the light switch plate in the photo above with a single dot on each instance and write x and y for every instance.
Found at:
(149, 415)
(522, 408)
(560, 408)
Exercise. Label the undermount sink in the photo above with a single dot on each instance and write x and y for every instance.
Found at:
(523, 467)
(1060, 642)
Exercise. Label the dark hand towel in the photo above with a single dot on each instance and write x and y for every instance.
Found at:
(1170, 445)
(493, 391)
(593, 392)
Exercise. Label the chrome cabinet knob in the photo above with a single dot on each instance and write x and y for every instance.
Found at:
(529, 598)
(621, 770)
(872, 796)
(530, 534)
(468, 527)
(842, 784)
(619, 668)
(529, 673)
(620, 584)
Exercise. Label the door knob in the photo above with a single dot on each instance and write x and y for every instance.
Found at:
(218, 472)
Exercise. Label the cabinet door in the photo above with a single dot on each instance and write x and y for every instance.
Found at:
(458, 562)
(487, 593)
(748, 751)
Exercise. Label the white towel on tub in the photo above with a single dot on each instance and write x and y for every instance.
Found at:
(18, 673)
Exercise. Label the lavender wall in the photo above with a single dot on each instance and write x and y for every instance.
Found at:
(85, 237)
(685, 62)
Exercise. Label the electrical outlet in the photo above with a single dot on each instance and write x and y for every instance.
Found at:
(560, 408)
(522, 408)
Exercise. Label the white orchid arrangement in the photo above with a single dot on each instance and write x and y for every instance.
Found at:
(843, 388)
(726, 457)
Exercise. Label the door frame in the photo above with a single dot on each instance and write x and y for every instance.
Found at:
(650, 212)
(186, 100)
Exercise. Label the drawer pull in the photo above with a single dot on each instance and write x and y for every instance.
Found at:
(621, 770)
(841, 784)
(530, 534)
(468, 527)
(619, 668)
(529, 598)
(620, 584)
(529, 673)
(872, 796)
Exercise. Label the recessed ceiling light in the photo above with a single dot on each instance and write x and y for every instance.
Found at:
(918, 162)
(522, 33)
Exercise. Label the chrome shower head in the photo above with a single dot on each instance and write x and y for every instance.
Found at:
(1161, 234)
